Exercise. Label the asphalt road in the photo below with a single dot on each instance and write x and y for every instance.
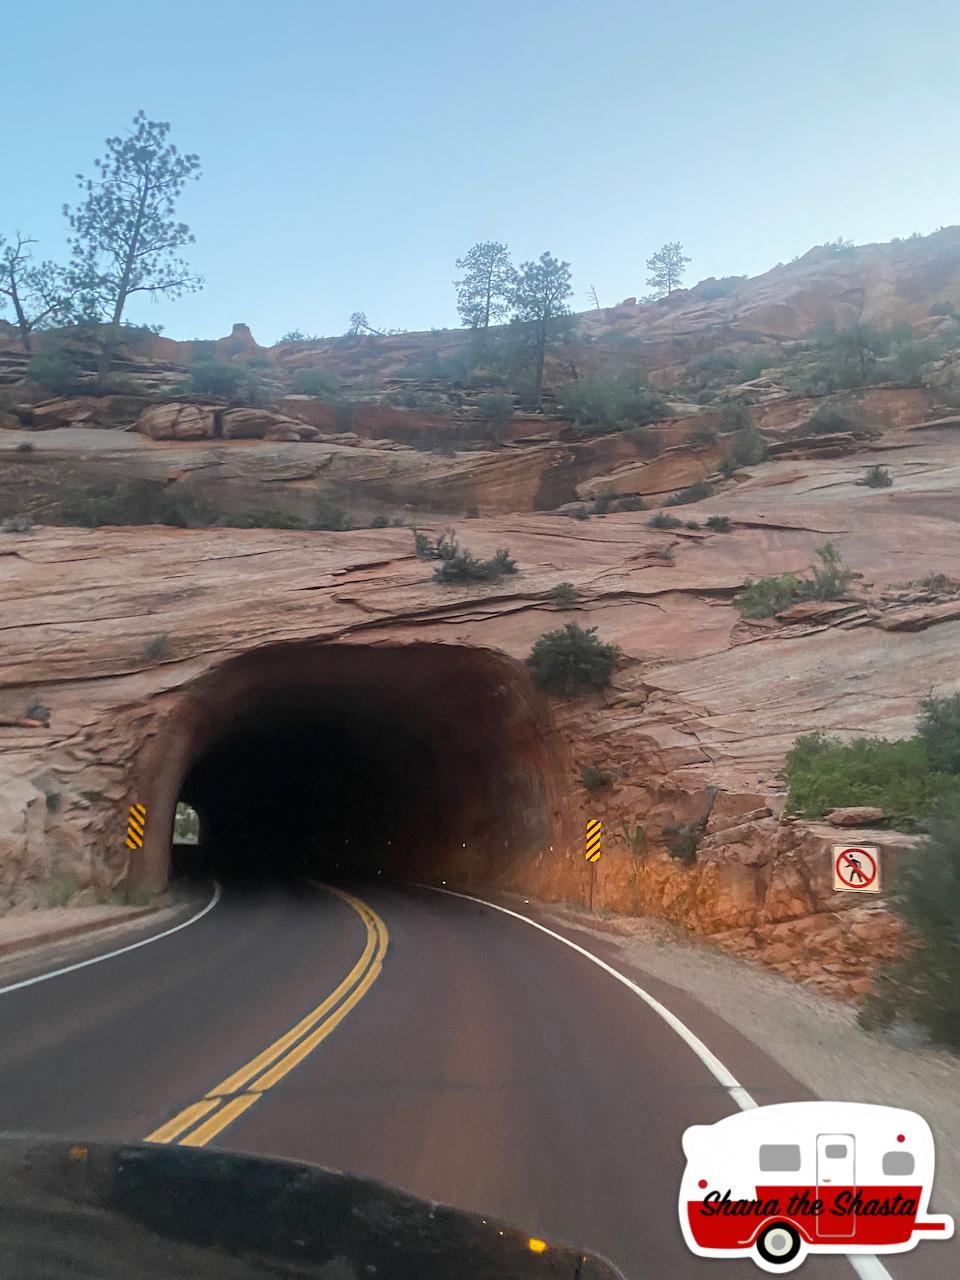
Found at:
(485, 1065)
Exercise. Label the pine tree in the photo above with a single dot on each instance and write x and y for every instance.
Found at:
(667, 265)
(125, 234)
(483, 293)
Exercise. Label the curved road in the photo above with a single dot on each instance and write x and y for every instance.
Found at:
(485, 1064)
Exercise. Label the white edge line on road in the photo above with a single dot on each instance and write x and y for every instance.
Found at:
(109, 955)
(865, 1265)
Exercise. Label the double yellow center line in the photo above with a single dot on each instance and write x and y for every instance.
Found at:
(195, 1125)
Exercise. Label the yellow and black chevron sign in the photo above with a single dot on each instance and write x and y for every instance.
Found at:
(136, 826)
(594, 831)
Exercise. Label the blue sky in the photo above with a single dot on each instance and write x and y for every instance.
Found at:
(352, 152)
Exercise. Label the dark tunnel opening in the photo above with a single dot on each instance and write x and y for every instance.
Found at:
(351, 762)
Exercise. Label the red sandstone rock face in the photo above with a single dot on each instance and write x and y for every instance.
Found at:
(692, 730)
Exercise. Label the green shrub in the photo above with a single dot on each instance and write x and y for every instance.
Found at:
(25, 447)
(593, 778)
(602, 504)
(910, 359)
(571, 660)
(496, 409)
(877, 477)
(37, 710)
(579, 513)
(662, 553)
(899, 777)
(636, 838)
(937, 582)
(58, 371)
(848, 357)
(564, 593)
(157, 646)
(632, 503)
(458, 565)
(716, 362)
(443, 548)
(942, 309)
(719, 524)
(411, 398)
(723, 368)
(317, 382)
(924, 984)
(764, 597)
(268, 518)
(767, 596)
(330, 517)
(136, 502)
(939, 728)
(662, 521)
(682, 840)
(691, 524)
(692, 493)
(826, 420)
(703, 434)
(830, 579)
(236, 382)
(425, 548)
(735, 417)
(612, 400)
(643, 437)
(752, 364)
(747, 448)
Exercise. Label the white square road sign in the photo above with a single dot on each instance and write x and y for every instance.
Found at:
(856, 868)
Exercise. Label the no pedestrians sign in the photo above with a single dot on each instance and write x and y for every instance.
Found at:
(856, 868)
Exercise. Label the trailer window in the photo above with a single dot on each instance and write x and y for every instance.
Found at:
(898, 1162)
(835, 1151)
(779, 1159)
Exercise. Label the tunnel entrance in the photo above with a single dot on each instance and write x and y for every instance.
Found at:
(349, 761)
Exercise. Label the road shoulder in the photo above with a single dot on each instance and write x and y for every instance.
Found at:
(43, 940)
(810, 1039)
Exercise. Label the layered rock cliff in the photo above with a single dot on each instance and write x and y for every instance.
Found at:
(117, 650)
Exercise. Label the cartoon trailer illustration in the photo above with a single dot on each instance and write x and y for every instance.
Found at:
(780, 1182)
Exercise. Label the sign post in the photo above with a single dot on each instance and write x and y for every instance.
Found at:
(856, 868)
(592, 852)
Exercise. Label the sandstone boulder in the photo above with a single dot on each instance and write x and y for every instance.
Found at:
(291, 431)
(262, 424)
(855, 816)
(177, 422)
(62, 413)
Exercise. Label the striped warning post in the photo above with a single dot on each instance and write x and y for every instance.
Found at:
(594, 832)
(136, 826)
